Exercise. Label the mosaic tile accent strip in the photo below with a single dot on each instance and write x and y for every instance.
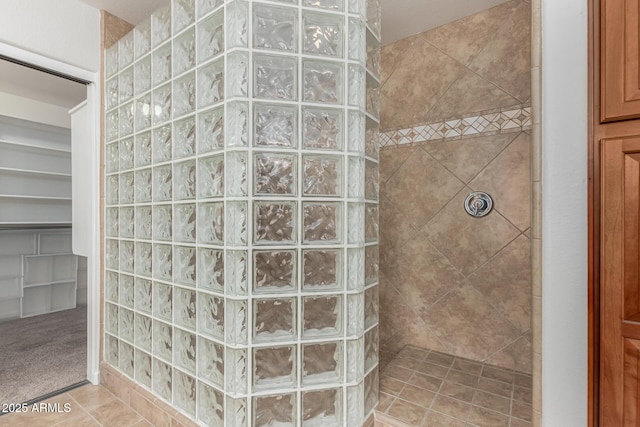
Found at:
(512, 120)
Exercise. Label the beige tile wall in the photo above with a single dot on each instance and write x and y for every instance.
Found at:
(450, 282)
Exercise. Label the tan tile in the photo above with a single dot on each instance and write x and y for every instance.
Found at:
(515, 422)
(465, 241)
(466, 365)
(114, 413)
(391, 53)
(411, 352)
(391, 160)
(397, 372)
(441, 359)
(116, 384)
(463, 378)
(522, 411)
(425, 381)
(467, 157)
(395, 318)
(508, 180)
(152, 413)
(391, 385)
(407, 363)
(142, 423)
(91, 396)
(433, 370)
(522, 394)
(457, 391)
(523, 380)
(492, 401)
(506, 281)
(436, 419)
(114, 28)
(495, 387)
(417, 395)
(516, 355)
(483, 417)
(452, 407)
(499, 374)
(384, 401)
(407, 412)
(80, 420)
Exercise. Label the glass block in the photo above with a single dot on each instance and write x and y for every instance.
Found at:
(184, 223)
(185, 392)
(184, 265)
(373, 102)
(126, 154)
(356, 226)
(236, 371)
(211, 130)
(143, 259)
(162, 301)
(162, 222)
(274, 319)
(324, 4)
(112, 254)
(210, 405)
(371, 223)
(358, 7)
(144, 221)
(211, 177)
(111, 60)
(125, 49)
(143, 332)
(184, 350)
(211, 83)
(112, 125)
(161, 28)
(322, 129)
(321, 270)
(161, 64)
(162, 144)
(323, 34)
(322, 175)
(237, 76)
(355, 269)
(143, 183)
(357, 124)
(237, 124)
(184, 180)
(162, 340)
(111, 318)
(322, 82)
(126, 119)
(125, 324)
(374, 17)
(371, 385)
(211, 36)
(127, 188)
(274, 367)
(112, 159)
(184, 14)
(275, 77)
(143, 149)
(211, 361)
(322, 316)
(275, 125)
(211, 269)
(185, 308)
(125, 85)
(126, 359)
(111, 350)
(371, 264)
(236, 322)
(322, 222)
(162, 262)
(371, 343)
(357, 86)
(236, 223)
(271, 411)
(162, 183)
(111, 93)
(236, 410)
(162, 104)
(126, 257)
(206, 6)
(126, 291)
(321, 363)
(355, 314)
(322, 408)
(355, 405)
(275, 271)
(162, 376)
(143, 112)
(210, 223)
(355, 360)
(374, 60)
(142, 296)
(371, 178)
(357, 40)
(237, 23)
(372, 143)
(356, 177)
(111, 222)
(275, 222)
(274, 27)
(236, 273)
(142, 75)
(211, 315)
(275, 173)
(142, 38)
(111, 286)
(184, 95)
(142, 368)
(184, 138)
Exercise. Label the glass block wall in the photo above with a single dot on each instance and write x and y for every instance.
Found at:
(241, 212)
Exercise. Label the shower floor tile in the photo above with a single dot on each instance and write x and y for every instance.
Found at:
(423, 388)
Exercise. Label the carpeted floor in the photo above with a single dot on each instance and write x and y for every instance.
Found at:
(42, 354)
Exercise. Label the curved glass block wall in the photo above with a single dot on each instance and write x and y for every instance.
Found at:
(241, 212)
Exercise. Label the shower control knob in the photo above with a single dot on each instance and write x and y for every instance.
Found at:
(478, 204)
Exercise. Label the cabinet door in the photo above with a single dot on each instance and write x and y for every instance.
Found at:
(620, 80)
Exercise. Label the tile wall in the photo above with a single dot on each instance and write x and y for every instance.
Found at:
(450, 282)
(241, 219)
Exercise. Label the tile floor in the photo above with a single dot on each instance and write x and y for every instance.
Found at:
(89, 406)
(431, 389)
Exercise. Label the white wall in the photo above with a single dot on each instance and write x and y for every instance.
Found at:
(65, 30)
(35, 111)
(564, 239)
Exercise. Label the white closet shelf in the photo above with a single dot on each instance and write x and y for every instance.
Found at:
(36, 147)
(34, 224)
(48, 255)
(57, 282)
(21, 196)
(34, 172)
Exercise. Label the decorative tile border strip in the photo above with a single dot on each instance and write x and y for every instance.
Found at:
(511, 120)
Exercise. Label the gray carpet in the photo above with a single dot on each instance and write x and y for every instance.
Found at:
(42, 354)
